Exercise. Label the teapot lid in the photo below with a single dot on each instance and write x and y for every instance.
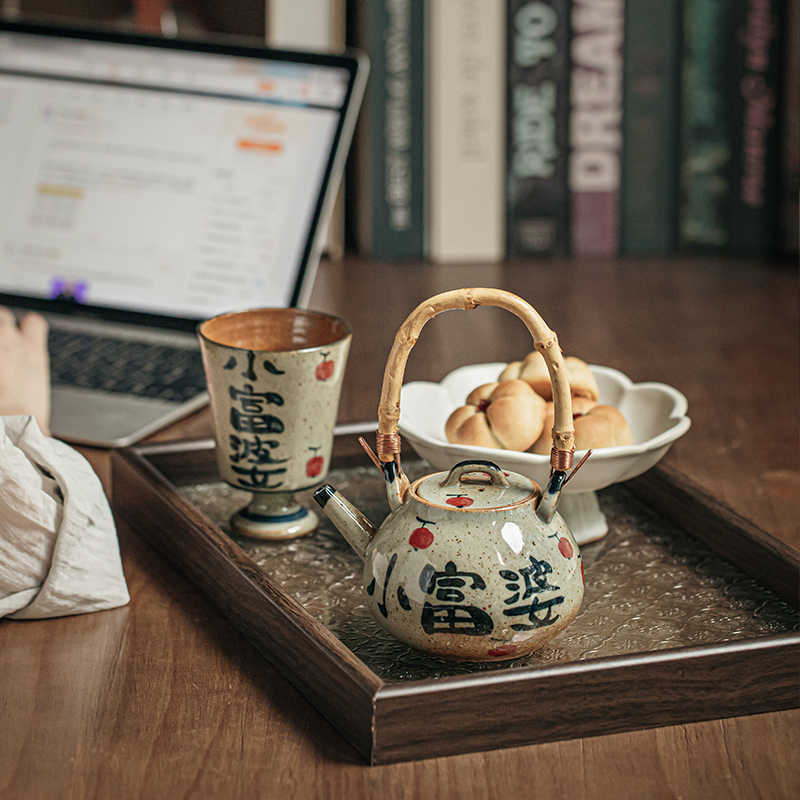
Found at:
(475, 486)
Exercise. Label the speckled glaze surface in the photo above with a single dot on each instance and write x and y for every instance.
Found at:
(274, 410)
(464, 569)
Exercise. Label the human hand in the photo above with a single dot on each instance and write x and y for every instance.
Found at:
(24, 367)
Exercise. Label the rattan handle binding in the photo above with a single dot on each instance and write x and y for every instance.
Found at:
(545, 341)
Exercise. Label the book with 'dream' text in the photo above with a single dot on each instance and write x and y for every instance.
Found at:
(595, 125)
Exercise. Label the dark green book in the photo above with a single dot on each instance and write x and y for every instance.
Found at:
(651, 81)
(706, 126)
(755, 99)
(385, 201)
(790, 135)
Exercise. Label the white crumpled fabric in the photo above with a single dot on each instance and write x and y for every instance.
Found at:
(59, 553)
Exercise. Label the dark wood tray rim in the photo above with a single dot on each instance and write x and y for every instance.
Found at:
(382, 719)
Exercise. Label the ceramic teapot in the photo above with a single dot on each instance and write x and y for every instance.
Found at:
(472, 564)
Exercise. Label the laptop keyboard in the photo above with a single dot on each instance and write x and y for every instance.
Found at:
(142, 369)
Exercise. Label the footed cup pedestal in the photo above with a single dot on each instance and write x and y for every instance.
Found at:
(275, 517)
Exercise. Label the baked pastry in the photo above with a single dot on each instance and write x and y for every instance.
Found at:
(533, 370)
(595, 427)
(507, 415)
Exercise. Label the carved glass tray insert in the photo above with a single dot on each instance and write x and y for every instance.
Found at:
(690, 613)
(649, 586)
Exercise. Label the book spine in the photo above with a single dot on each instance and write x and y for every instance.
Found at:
(705, 126)
(537, 102)
(305, 24)
(790, 145)
(756, 157)
(465, 164)
(391, 196)
(651, 77)
(596, 125)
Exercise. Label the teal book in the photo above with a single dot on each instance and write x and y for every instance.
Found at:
(790, 136)
(651, 88)
(706, 126)
(386, 195)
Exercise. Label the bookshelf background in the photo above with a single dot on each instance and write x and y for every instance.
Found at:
(520, 129)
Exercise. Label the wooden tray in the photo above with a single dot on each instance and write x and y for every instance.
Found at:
(404, 716)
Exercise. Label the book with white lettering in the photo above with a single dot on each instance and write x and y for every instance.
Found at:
(596, 125)
(537, 134)
(755, 99)
(465, 130)
(651, 66)
(388, 170)
(705, 191)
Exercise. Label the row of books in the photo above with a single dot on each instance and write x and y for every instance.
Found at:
(522, 128)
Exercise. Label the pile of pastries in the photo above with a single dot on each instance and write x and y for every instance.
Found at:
(515, 412)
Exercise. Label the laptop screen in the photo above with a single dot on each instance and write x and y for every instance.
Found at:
(159, 180)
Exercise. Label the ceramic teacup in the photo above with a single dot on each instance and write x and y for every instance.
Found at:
(274, 376)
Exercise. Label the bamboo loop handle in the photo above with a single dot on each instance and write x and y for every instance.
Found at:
(544, 340)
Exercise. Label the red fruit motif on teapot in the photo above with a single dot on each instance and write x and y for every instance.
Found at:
(565, 547)
(459, 501)
(314, 464)
(324, 369)
(422, 537)
(501, 650)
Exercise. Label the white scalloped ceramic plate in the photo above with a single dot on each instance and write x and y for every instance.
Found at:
(655, 412)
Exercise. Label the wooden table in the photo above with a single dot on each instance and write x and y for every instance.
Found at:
(162, 699)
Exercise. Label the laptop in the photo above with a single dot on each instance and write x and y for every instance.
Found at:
(148, 184)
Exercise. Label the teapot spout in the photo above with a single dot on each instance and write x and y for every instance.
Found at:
(349, 521)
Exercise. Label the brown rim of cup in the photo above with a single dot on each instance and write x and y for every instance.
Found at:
(337, 330)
